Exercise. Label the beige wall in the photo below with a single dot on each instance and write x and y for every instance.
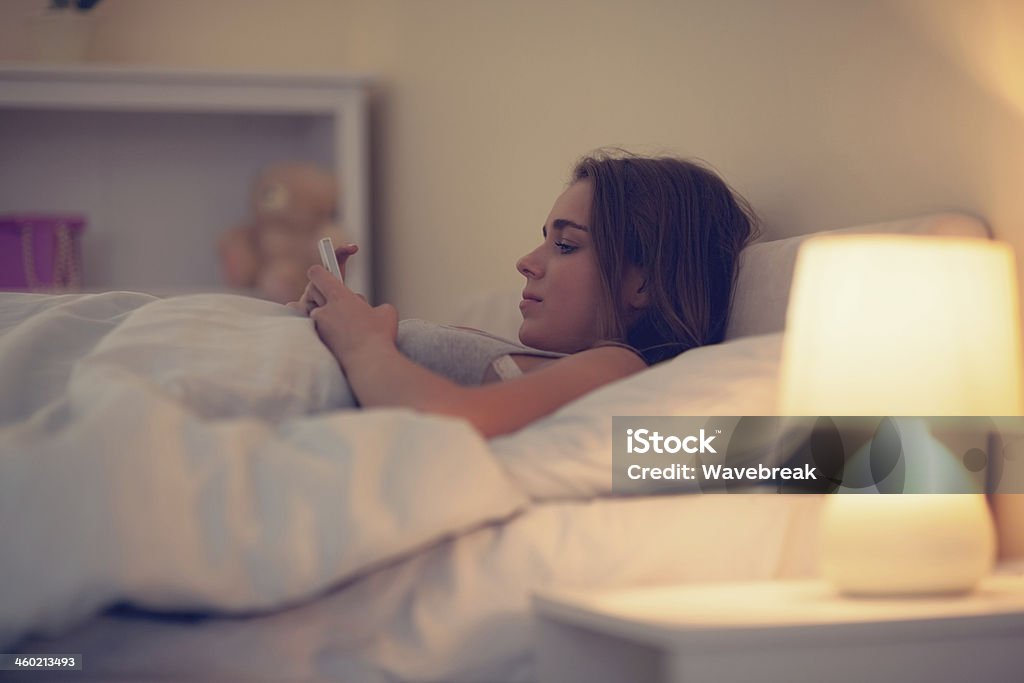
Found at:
(824, 113)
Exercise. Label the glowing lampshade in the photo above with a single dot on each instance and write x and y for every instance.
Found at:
(904, 326)
(887, 325)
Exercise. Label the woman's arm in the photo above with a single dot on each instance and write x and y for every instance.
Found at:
(381, 376)
(362, 338)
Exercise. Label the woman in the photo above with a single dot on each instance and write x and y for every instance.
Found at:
(637, 265)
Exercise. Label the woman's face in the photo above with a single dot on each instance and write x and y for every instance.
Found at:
(562, 303)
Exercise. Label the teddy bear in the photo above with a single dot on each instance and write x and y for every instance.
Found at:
(292, 206)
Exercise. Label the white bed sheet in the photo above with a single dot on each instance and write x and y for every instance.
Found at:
(460, 610)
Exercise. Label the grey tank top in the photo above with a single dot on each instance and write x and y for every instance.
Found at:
(462, 354)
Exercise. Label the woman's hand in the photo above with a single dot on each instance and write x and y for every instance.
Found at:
(347, 324)
(312, 297)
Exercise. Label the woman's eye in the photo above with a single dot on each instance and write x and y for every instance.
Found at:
(565, 248)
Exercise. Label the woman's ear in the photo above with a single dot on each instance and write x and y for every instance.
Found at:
(641, 297)
(636, 290)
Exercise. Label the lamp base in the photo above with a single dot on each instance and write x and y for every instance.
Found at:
(909, 544)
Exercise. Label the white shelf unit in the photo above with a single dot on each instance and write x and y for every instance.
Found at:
(161, 160)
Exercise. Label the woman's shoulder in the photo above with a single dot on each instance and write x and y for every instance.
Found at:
(632, 350)
(610, 360)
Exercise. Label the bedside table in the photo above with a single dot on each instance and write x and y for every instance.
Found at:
(779, 631)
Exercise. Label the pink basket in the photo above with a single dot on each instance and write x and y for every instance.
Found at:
(41, 251)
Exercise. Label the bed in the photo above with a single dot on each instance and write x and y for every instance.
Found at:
(179, 502)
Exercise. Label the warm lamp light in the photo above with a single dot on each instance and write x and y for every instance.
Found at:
(904, 326)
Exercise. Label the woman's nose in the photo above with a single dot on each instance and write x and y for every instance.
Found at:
(528, 265)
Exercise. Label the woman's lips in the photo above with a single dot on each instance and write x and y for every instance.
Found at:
(527, 304)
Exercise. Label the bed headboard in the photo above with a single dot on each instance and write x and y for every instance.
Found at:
(766, 268)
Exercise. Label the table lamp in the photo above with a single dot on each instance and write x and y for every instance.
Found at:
(882, 325)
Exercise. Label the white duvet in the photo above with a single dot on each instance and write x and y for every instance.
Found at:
(184, 453)
(188, 454)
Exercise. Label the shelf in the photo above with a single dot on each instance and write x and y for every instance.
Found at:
(160, 160)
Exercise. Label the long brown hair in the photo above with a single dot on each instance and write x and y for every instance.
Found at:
(683, 227)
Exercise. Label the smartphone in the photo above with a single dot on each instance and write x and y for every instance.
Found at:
(329, 258)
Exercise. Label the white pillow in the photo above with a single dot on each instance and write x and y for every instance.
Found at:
(766, 268)
(569, 453)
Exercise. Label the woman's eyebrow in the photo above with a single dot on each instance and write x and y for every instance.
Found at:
(561, 224)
